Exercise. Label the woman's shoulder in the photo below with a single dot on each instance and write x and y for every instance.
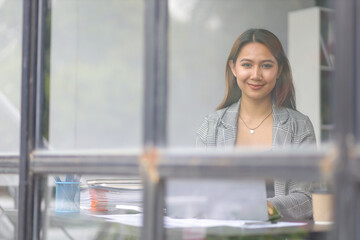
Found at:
(211, 120)
(207, 130)
(297, 120)
(219, 114)
(301, 126)
(285, 115)
(295, 115)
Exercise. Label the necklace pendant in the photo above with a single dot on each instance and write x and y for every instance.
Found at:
(252, 131)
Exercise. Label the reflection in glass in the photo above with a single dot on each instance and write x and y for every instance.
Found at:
(198, 56)
(10, 74)
(110, 208)
(8, 205)
(201, 34)
(96, 68)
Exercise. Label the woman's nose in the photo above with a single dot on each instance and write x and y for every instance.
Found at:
(256, 73)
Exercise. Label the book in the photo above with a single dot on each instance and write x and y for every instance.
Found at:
(101, 195)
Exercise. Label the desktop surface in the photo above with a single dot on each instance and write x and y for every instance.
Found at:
(90, 224)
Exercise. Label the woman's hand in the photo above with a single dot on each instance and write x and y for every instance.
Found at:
(271, 209)
(273, 213)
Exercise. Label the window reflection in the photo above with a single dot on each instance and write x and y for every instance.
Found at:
(96, 74)
(201, 34)
(108, 207)
(8, 204)
(10, 74)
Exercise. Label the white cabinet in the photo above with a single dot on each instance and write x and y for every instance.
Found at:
(310, 52)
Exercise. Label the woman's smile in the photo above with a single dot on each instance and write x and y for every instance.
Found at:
(255, 86)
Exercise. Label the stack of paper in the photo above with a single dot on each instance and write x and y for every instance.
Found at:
(109, 195)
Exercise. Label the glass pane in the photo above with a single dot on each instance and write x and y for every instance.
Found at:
(8, 205)
(204, 53)
(96, 71)
(201, 35)
(10, 74)
(93, 207)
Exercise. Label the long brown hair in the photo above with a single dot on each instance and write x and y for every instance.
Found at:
(283, 92)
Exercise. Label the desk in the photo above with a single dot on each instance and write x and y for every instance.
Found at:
(86, 227)
(309, 232)
(82, 226)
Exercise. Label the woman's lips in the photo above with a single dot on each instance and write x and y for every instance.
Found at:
(255, 86)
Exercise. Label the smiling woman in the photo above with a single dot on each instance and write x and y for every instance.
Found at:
(255, 70)
(259, 110)
(262, 44)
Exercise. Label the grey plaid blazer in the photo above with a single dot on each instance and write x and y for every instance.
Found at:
(218, 130)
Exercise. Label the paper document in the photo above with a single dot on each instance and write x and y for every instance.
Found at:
(136, 220)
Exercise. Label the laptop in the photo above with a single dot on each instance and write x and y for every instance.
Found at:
(217, 199)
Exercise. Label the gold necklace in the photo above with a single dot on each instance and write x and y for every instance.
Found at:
(252, 130)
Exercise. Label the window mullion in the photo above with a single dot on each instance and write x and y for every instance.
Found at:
(345, 113)
(27, 130)
(155, 85)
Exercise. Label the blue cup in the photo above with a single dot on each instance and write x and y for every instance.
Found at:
(67, 197)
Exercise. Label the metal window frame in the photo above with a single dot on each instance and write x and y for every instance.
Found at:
(9, 163)
(347, 118)
(27, 122)
(32, 164)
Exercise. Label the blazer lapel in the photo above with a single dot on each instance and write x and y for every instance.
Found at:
(280, 138)
(281, 132)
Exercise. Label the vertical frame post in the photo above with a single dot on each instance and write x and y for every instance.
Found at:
(357, 126)
(43, 70)
(346, 116)
(357, 68)
(156, 14)
(40, 190)
(27, 136)
(155, 95)
(41, 124)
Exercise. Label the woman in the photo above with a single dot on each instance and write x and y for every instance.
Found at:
(259, 110)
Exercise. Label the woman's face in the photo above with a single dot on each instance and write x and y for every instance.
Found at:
(256, 71)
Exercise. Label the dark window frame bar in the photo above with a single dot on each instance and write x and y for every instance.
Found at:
(9, 163)
(313, 165)
(347, 118)
(158, 103)
(27, 123)
(43, 14)
(155, 106)
(40, 181)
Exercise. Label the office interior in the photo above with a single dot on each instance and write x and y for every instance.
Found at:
(110, 94)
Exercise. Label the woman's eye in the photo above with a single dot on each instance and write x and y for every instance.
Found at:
(246, 65)
(267, 65)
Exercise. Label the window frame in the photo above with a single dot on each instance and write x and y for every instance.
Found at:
(33, 164)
